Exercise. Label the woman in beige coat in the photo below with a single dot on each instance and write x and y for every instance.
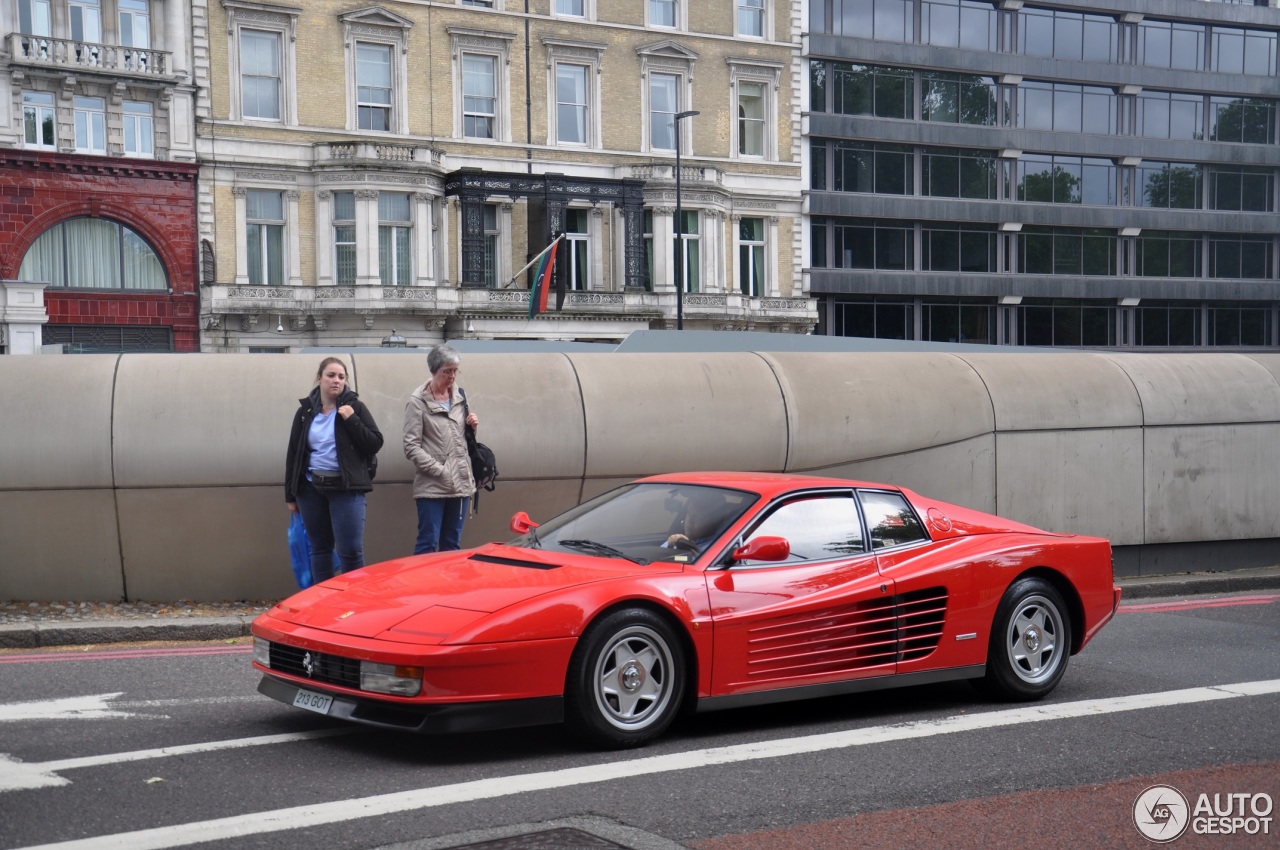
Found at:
(435, 420)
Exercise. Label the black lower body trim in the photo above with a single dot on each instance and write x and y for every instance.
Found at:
(427, 719)
(872, 683)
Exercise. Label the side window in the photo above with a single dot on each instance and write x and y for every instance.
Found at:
(890, 519)
(817, 527)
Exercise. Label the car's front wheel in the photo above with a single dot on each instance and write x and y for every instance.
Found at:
(626, 679)
(1030, 641)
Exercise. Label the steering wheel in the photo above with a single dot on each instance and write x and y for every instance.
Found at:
(683, 542)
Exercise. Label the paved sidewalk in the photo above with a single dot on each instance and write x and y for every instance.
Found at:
(70, 624)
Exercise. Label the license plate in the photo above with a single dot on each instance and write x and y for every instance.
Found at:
(312, 701)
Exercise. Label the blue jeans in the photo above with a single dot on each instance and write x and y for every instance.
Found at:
(333, 521)
(440, 524)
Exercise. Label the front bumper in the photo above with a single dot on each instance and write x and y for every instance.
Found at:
(425, 719)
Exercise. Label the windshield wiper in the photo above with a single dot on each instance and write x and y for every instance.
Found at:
(600, 549)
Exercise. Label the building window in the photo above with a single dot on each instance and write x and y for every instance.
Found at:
(491, 234)
(1061, 34)
(571, 104)
(37, 119)
(571, 8)
(751, 18)
(1169, 254)
(344, 238)
(1063, 322)
(1241, 189)
(1168, 185)
(648, 249)
(86, 29)
(959, 99)
(692, 250)
(577, 270)
(395, 239)
(875, 318)
(873, 168)
(751, 268)
(1050, 179)
(948, 173)
(139, 129)
(751, 118)
(1239, 324)
(91, 124)
(264, 237)
(34, 17)
(108, 339)
(1169, 115)
(882, 20)
(664, 103)
(1239, 51)
(1249, 120)
(483, 4)
(662, 13)
(1066, 108)
(480, 96)
(867, 244)
(1166, 324)
(862, 90)
(969, 248)
(1067, 251)
(93, 253)
(135, 23)
(959, 23)
(1165, 44)
(947, 320)
(1240, 257)
(260, 80)
(373, 87)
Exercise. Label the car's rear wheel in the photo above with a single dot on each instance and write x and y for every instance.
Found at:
(1030, 641)
(626, 679)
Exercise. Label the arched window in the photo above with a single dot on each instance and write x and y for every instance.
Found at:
(93, 253)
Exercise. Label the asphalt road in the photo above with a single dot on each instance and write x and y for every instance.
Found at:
(166, 746)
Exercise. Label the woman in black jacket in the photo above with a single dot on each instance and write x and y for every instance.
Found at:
(326, 473)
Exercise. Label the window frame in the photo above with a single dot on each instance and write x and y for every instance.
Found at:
(679, 14)
(139, 120)
(590, 57)
(762, 10)
(397, 230)
(93, 110)
(497, 47)
(767, 76)
(755, 250)
(263, 224)
(281, 21)
(123, 232)
(376, 27)
(43, 112)
(353, 243)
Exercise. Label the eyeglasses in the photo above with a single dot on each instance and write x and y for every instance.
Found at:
(451, 370)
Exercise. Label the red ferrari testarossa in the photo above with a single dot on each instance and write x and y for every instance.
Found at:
(694, 591)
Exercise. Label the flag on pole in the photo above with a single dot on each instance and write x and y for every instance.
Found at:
(542, 279)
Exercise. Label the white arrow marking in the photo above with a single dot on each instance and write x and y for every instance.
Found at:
(92, 707)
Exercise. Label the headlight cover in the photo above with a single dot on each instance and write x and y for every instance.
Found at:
(262, 651)
(396, 680)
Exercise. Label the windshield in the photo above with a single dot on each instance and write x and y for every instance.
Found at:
(644, 522)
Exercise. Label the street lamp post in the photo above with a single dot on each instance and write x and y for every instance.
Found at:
(680, 225)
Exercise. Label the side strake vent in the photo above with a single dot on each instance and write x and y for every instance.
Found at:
(514, 562)
(873, 633)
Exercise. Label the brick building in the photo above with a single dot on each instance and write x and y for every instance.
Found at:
(97, 180)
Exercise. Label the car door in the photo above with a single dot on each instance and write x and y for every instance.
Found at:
(934, 585)
(811, 619)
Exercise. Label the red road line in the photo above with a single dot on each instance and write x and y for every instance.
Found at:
(105, 655)
(1226, 602)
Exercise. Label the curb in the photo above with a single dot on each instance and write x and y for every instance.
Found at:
(48, 634)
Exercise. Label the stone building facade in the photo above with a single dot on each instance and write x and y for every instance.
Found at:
(387, 171)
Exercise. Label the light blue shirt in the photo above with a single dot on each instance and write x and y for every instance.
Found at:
(324, 451)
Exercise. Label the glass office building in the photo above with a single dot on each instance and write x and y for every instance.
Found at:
(1070, 174)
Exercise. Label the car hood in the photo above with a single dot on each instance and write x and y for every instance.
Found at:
(453, 588)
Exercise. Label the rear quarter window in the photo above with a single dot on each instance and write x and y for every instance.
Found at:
(890, 519)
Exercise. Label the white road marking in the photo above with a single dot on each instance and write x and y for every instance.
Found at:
(93, 707)
(17, 775)
(337, 811)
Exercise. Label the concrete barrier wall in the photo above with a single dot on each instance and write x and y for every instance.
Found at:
(160, 476)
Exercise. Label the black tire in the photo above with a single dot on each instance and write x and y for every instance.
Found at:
(626, 680)
(1030, 642)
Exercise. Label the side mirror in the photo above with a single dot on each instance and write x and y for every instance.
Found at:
(521, 524)
(764, 549)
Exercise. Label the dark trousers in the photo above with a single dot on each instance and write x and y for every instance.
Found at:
(333, 521)
(440, 524)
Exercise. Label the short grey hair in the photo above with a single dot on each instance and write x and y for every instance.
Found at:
(441, 356)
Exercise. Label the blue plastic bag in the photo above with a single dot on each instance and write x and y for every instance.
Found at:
(299, 551)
